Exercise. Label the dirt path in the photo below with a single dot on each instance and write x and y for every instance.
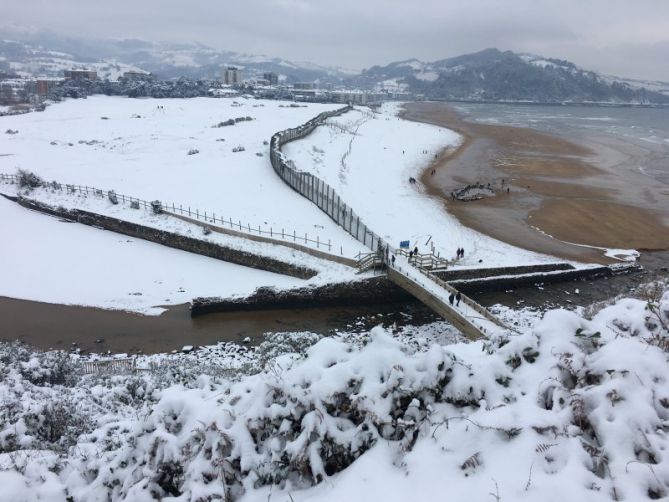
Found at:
(549, 191)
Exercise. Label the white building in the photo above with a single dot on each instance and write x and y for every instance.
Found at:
(232, 76)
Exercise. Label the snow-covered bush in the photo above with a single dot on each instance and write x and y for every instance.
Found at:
(574, 409)
(28, 180)
(156, 207)
(113, 198)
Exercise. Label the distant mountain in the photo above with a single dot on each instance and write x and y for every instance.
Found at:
(489, 75)
(493, 75)
(47, 54)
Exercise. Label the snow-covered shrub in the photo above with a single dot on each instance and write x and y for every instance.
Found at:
(134, 204)
(156, 207)
(573, 409)
(58, 424)
(193, 151)
(113, 198)
(277, 344)
(50, 368)
(29, 180)
(225, 123)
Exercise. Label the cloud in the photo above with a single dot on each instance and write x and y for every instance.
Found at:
(357, 33)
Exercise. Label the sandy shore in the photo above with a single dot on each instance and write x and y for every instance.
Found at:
(551, 193)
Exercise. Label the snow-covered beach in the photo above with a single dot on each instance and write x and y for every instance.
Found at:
(141, 148)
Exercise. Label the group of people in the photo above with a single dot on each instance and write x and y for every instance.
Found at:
(460, 253)
(456, 297)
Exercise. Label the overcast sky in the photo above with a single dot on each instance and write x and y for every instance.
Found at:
(623, 37)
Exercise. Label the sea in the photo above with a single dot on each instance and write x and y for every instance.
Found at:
(645, 128)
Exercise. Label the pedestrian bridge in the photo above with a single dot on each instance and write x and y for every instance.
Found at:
(472, 319)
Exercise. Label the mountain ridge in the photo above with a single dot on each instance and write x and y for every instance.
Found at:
(494, 75)
(487, 75)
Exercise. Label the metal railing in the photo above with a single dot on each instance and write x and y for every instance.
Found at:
(237, 225)
(465, 299)
(314, 188)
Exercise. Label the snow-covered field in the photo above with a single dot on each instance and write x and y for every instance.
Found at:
(571, 409)
(141, 149)
(368, 159)
(130, 274)
(51, 261)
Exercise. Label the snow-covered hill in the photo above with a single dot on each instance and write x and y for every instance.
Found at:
(48, 55)
(493, 75)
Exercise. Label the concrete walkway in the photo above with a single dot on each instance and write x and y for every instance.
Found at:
(473, 320)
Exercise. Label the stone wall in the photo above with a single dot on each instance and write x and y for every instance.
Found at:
(477, 273)
(503, 283)
(173, 240)
(373, 291)
(377, 291)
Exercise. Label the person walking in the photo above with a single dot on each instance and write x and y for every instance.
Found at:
(458, 297)
(462, 252)
(415, 251)
(393, 261)
(450, 299)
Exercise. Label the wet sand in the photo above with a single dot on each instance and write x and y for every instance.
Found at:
(559, 191)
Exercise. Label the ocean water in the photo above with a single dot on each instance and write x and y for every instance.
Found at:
(645, 128)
